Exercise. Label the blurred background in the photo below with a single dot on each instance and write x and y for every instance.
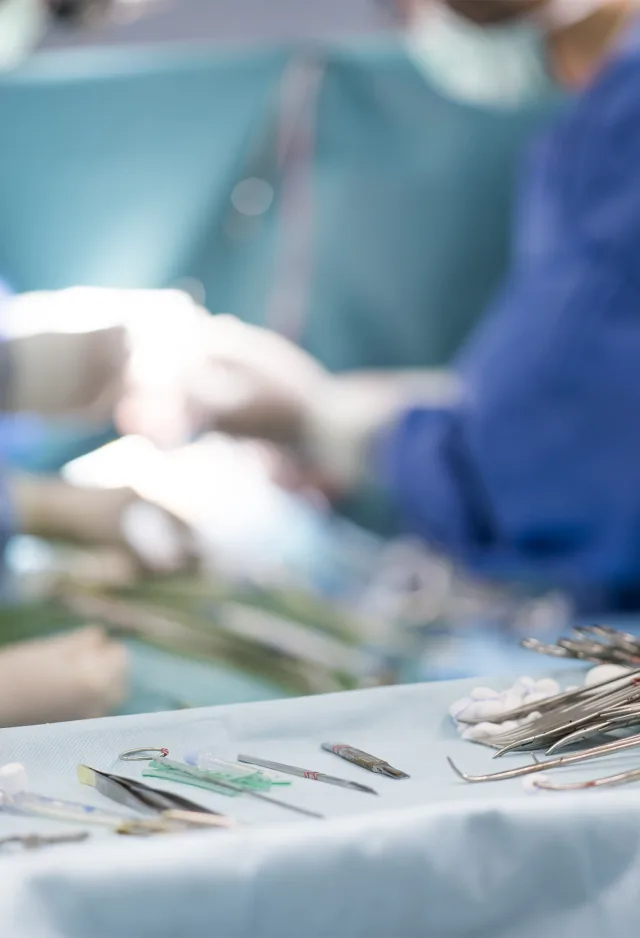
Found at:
(290, 164)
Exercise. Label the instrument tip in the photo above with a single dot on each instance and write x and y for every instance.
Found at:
(393, 773)
(86, 775)
(454, 767)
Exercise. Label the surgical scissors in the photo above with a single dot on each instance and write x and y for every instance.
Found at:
(553, 726)
(613, 722)
(595, 752)
(559, 721)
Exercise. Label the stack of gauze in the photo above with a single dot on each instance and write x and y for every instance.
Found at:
(489, 705)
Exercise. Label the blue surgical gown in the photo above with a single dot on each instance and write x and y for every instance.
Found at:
(536, 473)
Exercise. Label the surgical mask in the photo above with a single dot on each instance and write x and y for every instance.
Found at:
(503, 64)
(22, 25)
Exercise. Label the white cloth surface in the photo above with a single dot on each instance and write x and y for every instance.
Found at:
(431, 856)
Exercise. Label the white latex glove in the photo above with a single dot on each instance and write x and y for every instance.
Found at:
(77, 375)
(117, 518)
(64, 357)
(70, 677)
(252, 382)
(237, 378)
(160, 362)
(72, 351)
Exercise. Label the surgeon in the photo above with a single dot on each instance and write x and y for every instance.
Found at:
(56, 372)
(523, 460)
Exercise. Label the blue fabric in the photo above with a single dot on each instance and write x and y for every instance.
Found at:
(537, 473)
(430, 857)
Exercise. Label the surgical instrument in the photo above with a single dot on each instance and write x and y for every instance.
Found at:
(143, 755)
(35, 841)
(207, 760)
(594, 753)
(184, 774)
(609, 634)
(598, 643)
(539, 740)
(364, 760)
(306, 773)
(608, 781)
(596, 729)
(553, 725)
(238, 788)
(33, 805)
(136, 794)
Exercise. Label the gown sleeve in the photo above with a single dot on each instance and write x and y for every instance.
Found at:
(537, 472)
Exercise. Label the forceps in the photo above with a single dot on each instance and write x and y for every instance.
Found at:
(137, 795)
(598, 643)
(619, 745)
(611, 635)
(555, 725)
(613, 721)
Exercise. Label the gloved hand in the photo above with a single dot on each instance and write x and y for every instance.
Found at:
(70, 351)
(237, 378)
(159, 542)
(68, 677)
(73, 374)
(250, 382)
